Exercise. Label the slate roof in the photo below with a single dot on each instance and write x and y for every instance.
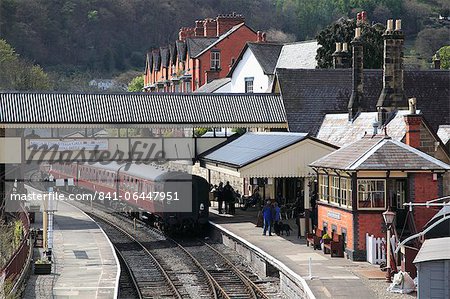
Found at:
(165, 56)
(213, 85)
(379, 153)
(149, 61)
(300, 55)
(251, 147)
(444, 133)
(434, 250)
(337, 130)
(142, 108)
(309, 95)
(265, 53)
(156, 59)
(173, 54)
(181, 50)
(195, 45)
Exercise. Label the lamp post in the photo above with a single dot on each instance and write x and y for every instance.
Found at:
(388, 217)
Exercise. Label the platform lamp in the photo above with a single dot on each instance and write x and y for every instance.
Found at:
(388, 217)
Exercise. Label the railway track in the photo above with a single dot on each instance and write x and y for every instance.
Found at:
(150, 277)
(160, 267)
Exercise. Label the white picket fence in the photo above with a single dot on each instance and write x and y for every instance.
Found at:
(375, 249)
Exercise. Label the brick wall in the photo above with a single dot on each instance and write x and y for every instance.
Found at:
(345, 222)
(424, 189)
(229, 48)
(371, 223)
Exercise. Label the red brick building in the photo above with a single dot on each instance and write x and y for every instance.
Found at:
(201, 54)
(357, 183)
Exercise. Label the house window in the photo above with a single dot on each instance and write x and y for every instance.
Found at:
(334, 198)
(371, 194)
(249, 85)
(346, 192)
(323, 187)
(215, 60)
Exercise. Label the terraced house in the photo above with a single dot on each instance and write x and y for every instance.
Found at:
(201, 54)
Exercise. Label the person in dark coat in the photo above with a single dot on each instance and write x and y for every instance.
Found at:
(220, 197)
(228, 194)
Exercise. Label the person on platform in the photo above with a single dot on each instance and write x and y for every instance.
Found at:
(277, 217)
(268, 214)
(220, 197)
(228, 194)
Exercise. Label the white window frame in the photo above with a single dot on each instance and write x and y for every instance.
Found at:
(335, 191)
(369, 192)
(215, 60)
(346, 192)
(248, 84)
(323, 187)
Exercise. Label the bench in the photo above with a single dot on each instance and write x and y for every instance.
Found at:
(314, 239)
(335, 245)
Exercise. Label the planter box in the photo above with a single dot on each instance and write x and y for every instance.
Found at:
(42, 269)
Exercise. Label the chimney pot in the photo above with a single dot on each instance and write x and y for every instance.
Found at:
(344, 47)
(357, 32)
(412, 105)
(338, 47)
(363, 16)
(390, 25)
(398, 25)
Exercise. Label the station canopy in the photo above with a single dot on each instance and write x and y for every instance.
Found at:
(140, 110)
(267, 155)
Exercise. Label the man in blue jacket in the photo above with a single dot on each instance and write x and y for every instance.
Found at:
(268, 218)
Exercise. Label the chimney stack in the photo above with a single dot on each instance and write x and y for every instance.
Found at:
(341, 57)
(392, 96)
(199, 31)
(210, 27)
(437, 61)
(354, 105)
(260, 37)
(185, 32)
(228, 21)
(413, 123)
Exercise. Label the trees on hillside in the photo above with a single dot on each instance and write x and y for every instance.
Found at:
(19, 74)
(344, 31)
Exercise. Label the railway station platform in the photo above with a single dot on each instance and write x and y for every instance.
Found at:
(84, 262)
(329, 277)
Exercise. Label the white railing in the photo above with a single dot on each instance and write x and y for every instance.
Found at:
(375, 249)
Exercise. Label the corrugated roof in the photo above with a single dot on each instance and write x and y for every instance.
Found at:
(213, 85)
(444, 133)
(301, 55)
(309, 95)
(253, 146)
(434, 250)
(142, 108)
(379, 153)
(336, 129)
(195, 45)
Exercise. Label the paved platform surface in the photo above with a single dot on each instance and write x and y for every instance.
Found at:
(85, 265)
(332, 277)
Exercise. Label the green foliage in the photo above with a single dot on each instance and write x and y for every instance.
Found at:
(137, 84)
(240, 131)
(19, 74)
(444, 54)
(198, 132)
(344, 31)
(18, 233)
(430, 40)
